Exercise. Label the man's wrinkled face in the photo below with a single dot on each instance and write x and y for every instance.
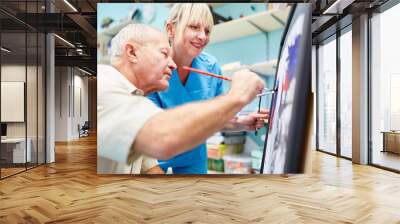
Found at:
(155, 64)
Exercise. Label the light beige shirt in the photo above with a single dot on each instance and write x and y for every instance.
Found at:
(122, 110)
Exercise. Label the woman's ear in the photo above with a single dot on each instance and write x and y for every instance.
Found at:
(131, 52)
(170, 31)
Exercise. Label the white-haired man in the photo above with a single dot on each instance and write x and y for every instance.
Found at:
(132, 131)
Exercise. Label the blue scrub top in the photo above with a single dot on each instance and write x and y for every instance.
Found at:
(197, 87)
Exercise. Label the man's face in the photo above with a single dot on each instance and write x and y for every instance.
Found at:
(155, 64)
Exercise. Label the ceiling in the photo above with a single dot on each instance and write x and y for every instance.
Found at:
(72, 20)
(75, 21)
(326, 21)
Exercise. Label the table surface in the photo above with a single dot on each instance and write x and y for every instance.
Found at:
(391, 132)
(12, 140)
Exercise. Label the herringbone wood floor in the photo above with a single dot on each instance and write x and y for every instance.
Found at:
(69, 191)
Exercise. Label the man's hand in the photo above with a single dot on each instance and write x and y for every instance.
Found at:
(245, 86)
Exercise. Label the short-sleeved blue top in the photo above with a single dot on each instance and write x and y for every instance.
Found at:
(197, 87)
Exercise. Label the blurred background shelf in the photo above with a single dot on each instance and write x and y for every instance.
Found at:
(249, 25)
(266, 68)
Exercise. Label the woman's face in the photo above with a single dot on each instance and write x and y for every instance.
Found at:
(193, 40)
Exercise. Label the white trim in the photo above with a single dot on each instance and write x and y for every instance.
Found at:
(64, 40)
(70, 5)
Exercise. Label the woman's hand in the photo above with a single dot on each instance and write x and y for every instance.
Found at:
(253, 121)
(249, 122)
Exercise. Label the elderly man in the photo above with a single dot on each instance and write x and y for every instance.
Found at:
(132, 131)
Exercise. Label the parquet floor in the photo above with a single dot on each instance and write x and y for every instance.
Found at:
(9, 171)
(69, 191)
(387, 159)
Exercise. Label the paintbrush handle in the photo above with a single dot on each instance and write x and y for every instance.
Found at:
(207, 73)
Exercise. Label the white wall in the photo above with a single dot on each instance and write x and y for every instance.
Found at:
(62, 81)
(33, 126)
(81, 101)
(71, 103)
(15, 72)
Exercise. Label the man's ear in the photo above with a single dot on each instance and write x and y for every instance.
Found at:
(131, 50)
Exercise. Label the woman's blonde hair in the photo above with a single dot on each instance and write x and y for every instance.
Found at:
(183, 14)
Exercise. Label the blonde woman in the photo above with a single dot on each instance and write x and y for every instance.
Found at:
(188, 28)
